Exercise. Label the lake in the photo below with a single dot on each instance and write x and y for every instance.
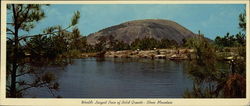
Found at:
(119, 78)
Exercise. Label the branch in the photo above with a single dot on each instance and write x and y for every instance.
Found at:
(24, 89)
(9, 30)
(10, 39)
(24, 17)
(10, 23)
(9, 33)
(50, 90)
(25, 37)
(23, 73)
(20, 9)
(31, 86)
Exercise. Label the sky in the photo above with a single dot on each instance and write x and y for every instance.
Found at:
(211, 19)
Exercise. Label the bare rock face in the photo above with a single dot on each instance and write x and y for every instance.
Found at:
(153, 28)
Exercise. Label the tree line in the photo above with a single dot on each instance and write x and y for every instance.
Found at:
(146, 43)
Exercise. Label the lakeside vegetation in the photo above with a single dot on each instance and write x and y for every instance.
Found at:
(59, 43)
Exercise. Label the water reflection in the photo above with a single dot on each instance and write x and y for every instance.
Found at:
(121, 78)
(128, 78)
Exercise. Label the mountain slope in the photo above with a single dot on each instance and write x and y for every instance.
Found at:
(131, 30)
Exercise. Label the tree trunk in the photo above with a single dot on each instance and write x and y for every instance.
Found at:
(15, 60)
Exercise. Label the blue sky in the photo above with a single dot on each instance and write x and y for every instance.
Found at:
(211, 19)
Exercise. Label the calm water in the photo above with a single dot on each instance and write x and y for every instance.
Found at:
(119, 78)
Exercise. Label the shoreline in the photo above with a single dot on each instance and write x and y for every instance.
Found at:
(171, 54)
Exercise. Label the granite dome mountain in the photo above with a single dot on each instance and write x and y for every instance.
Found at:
(152, 28)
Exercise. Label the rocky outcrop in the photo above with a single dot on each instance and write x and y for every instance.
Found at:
(152, 28)
(173, 54)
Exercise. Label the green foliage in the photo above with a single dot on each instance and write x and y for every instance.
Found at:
(38, 45)
(242, 21)
(231, 40)
(241, 51)
(144, 44)
(76, 41)
(10, 51)
(240, 39)
(26, 15)
(113, 44)
(72, 54)
(234, 40)
(53, 46)
(52, 42)
(199, 92)
(110, 43)
(151, 43)
(102, 44)
(75, 18)
(120, 45)
(204, 69)
(52, 29)
(204, 50)
(136, 44)
(165, 43)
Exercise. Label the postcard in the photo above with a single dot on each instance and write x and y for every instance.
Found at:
(124, 53)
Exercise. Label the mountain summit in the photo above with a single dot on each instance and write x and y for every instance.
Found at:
(153, 28)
